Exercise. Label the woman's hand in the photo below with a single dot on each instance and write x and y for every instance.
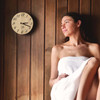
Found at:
(53, 81)
(62, 76)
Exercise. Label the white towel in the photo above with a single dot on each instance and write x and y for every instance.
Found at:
(66, 88)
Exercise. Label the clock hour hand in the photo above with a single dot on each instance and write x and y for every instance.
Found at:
(25, 24)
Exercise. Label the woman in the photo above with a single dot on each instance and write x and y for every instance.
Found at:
(74, 64)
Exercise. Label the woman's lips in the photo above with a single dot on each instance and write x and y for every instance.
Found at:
(64, 30)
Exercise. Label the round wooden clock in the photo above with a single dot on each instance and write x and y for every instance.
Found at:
(22, 23)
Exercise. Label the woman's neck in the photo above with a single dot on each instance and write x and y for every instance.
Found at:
(75, 40)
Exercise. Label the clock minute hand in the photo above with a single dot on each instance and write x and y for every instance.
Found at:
(27, 25)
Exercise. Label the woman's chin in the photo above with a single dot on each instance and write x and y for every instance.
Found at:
(66, 35)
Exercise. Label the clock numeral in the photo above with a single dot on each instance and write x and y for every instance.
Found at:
(31, 24)
(25, 30)
(13, 23)
(17, 30)
(14, 18)
(21, 31)
(30, 19)
(22, 14)
(15, 27)
(29, 27)
(26, 15)
(22, 26)
(18, 15)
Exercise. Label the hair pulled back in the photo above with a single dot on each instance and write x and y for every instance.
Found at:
(76, 17)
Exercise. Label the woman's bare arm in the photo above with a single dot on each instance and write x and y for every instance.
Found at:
(89, 72)
(95, 50)
(54, 67)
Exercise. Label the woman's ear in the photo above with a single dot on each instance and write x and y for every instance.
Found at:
(78, 23)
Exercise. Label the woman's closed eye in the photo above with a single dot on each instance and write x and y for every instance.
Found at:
(66, 22)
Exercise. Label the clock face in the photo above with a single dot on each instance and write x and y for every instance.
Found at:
(22, 23)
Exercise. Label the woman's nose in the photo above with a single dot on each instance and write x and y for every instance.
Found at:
(63, 26)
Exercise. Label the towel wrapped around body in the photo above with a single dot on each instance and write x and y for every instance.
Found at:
(66, 88)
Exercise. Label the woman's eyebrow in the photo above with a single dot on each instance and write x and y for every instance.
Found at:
(67, 20)
(64, 21)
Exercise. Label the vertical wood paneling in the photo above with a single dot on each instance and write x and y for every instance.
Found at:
(95, 12)
(85, 9)
(37, 51)
(10, 53)
(61, 10)
(49, 41)
(1, 48)
(73, 5)
(32, 53)
(23, 68)
(23, 51)
(85, 6)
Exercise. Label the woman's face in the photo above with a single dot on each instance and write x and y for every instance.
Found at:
(68, 26)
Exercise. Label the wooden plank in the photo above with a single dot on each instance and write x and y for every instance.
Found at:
(85, 10)
(1, 48)
(9, 52)
(23, 64)
(37, 51)
(23, 68)
(61, 10)
(73, 5)
(95, 12)
(85, 6)
(49, 41)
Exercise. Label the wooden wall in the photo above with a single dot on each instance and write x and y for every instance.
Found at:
(25, 60)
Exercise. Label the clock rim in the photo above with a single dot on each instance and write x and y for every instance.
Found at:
(29, 16)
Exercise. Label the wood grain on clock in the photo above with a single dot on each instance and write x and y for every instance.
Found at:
(22, 23)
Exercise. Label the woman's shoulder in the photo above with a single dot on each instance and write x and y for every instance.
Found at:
(93, 45)
(94, 49)
(57, 47)
(56, 50)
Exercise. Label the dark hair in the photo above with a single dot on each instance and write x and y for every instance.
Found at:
(87, 26)
(76, 17)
